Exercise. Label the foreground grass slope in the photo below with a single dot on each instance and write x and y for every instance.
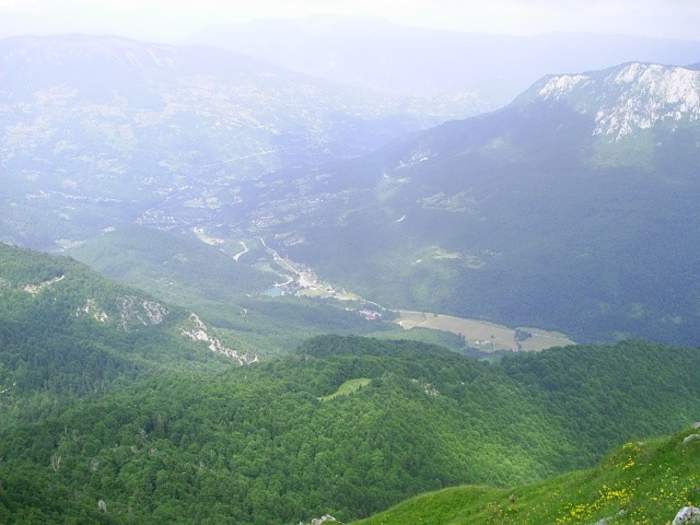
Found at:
(641, 483)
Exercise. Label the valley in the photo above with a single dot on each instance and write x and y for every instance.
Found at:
(291, 282)
(455, 220)
(348, 268)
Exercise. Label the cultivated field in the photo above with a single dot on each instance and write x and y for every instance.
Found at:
(485, 336)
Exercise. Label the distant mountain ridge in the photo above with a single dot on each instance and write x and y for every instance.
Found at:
(582, 188)
(572, 209)
(627, 98)
(107, 120)
(376, 53)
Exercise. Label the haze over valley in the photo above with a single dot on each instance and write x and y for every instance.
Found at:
(311, 269)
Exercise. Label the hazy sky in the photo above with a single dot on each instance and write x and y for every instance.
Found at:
(176, 19)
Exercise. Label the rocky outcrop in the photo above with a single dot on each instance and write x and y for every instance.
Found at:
(133, 310)
(35, 289)
(127, 311)
(91, 309)
(198, 331)
(155, 312)
(687, 516)
(326, 518)
(691, 438)
(629, 98)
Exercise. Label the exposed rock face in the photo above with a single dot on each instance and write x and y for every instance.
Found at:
(691, 438)
(327, 518)
(35, 289)
(199, 332)
(91, 309)
(155, 312)
(696, 426)
(561, 85)
(687, 516)
(629, 98)
(146, 313)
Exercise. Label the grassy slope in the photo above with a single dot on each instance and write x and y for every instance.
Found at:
(641, 483)
(348, 388)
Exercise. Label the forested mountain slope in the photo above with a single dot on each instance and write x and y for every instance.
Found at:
(67, 333)
(236, 294)
(573, 208)
(469, 70)
(346, 425)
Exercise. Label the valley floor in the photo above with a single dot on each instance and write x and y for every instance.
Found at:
(483, 335)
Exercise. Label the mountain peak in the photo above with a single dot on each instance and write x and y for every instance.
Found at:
(561, 85)
(628, 98)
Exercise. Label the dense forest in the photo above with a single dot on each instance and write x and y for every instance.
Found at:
(110, 415)
(260, 445)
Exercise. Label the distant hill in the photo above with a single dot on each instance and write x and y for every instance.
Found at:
(96, 131)
(641, 482)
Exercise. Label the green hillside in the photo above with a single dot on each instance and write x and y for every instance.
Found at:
(104, 397)
(261, 445)
(644, 482)
(67, 333)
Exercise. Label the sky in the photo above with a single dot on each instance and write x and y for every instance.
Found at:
(175, 20)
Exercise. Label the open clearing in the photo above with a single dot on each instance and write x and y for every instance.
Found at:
(349, 387)
(485, 336)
